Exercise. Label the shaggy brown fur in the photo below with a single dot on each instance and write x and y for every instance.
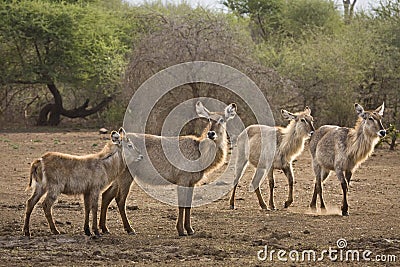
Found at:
(211, 142)
(255, 144)
(57, 173)
(342, 150)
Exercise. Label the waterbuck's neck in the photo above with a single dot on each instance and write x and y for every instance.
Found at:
(112, 160)
(291, 142)
(360, 145)
(221, 152)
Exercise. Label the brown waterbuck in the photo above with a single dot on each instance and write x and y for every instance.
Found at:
(254, 146)
(57, 173)
(211, 146)
(342, 150)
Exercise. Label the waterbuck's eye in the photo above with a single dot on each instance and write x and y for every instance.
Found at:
(130, 145)
(303, 120)
(371, 119)
(221, 120)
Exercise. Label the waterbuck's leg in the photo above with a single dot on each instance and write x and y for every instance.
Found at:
(287, 170)
(179, 222)
(317, 186)
(256, 183)
(348, 175)
(313, 204)
(232, 199)
(30, 204)
(47, 204)
(343, 182)
(188, 226)
(122, 194)
(184, 202)
(106, 199)
(239, 167)
(94, 201)
(86, 200)
(324, 175)
(271, 184)
(119, 190)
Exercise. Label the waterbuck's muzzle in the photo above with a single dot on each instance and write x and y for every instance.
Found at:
(211, 135)
(312, 131)
(382, 133)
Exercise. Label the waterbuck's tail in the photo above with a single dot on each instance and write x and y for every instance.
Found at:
(34, 173)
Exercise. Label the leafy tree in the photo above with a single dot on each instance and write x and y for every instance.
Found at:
(266, 16)
(359, 63)
(71, 48)
(305, 16)
(277, 18)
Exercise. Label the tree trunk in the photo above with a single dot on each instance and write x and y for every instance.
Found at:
(348, 10)
(44, 115)
(51, 113)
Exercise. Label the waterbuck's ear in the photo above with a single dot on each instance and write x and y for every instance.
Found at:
(230, 111)
(115, 138)
(202, 111)
(360, 111)
(307, 111)
(287, 115)
(380, 109)
(122, 132)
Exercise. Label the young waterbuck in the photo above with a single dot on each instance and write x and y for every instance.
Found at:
(254, 146)
(342, 150)
(56, 173)
(212, 142)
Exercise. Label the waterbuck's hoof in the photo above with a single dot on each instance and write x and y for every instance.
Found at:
(232, 207)
(87, 232)
(345, 213)
(27, 233)
(131, 232)
(287, 204)
(55, 232)
(189, 231)
(182, 234)
(104, 229)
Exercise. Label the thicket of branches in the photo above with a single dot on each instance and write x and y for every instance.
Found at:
(198, 35)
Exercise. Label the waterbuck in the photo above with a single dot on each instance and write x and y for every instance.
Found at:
(57, 173)
(253, 146)
(212, 142)
(342, 150)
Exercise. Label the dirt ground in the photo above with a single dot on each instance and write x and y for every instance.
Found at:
(223, 237)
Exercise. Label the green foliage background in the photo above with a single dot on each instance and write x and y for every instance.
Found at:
(86, 47)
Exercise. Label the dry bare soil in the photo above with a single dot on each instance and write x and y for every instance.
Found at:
(223, 237)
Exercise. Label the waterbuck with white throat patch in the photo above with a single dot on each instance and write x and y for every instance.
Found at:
(342, 150)
(255, 146)
(211, 147)
(57, 173)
